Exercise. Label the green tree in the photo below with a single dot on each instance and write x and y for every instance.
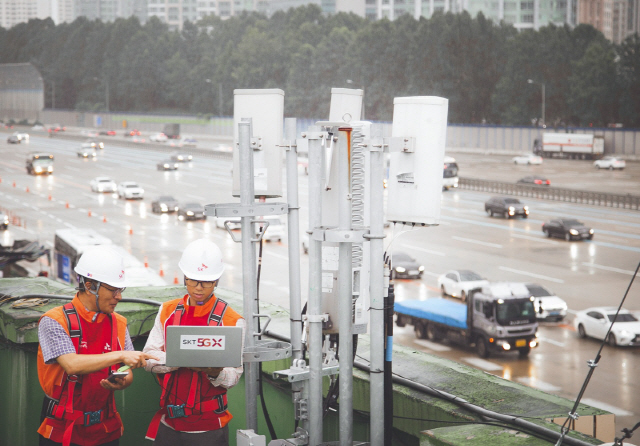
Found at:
(594, 89)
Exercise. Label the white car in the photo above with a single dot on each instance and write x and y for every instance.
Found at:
(548, 306)
(594, 322)
(527, 159)
(130, 190)
(457, 283)
(610, 162)
(138, 139)
(90, 133)
(103, 184)
(22, 136)
(158, 137)
(274, 232)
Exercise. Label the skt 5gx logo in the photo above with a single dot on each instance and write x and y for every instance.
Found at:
(199, 342)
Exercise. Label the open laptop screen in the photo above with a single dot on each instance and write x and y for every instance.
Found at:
(203, 346)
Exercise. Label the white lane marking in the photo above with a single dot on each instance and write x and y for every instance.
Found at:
(428, 251)
(609, 268)
(527, 273)
(537, 384)
(196, 197)
(482, 364)
(432, 345)
(535, 239)
(477, 242)
(608, 407)
(552, 341)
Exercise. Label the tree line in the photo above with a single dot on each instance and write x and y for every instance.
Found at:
(490, 72)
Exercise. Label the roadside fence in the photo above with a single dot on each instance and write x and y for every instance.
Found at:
(623, 201)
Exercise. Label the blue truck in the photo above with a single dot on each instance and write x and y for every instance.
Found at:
(497, 317)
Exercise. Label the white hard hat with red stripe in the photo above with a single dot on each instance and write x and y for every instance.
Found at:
(102, 264)
(202, 260)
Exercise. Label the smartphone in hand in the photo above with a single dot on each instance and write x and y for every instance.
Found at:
(114, 375)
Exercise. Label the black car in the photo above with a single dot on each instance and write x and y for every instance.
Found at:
(13, 139)
(567, 228)
(405, 266)
(164, 203)
(191, 211)
(506, 206)
(167, 165)
(535, 179)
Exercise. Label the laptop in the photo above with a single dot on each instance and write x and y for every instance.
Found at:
(203, 346)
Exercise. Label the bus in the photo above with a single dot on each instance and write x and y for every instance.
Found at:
(450, 175)
(69, 244)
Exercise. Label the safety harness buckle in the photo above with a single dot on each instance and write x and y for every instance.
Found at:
(175, 411)
(91, 418)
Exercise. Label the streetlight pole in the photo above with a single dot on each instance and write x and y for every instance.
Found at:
(531, 81)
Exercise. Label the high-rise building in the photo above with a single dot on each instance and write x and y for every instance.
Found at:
(13, 12)
(174, 12)
(611, 17)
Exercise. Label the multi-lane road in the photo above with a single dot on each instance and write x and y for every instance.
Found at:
(583, 273)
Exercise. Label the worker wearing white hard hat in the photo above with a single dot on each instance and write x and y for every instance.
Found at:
(82, 344)
(203, 417)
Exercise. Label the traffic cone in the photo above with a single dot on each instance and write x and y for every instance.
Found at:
(161, 272)
(104, 218)
(27, 189)
(146, 262)
(89, 213)
(50, 198)
(175, 280)
(130, 230)
(14, 184)
(66, 205)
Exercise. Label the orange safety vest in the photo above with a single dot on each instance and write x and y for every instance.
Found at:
(189, 402)
(79, 409)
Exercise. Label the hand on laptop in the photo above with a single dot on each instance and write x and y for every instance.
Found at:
(211, 371)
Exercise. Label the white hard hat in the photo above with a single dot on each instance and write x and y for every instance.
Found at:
(102, 264)
(202, 260)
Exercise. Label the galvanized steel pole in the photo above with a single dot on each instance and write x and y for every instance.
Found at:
(376, 288)
(249, 285)
(316, 152)
(295, 306)
(345, 289)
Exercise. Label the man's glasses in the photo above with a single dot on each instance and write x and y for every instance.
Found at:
(205, 284)
(115, 291)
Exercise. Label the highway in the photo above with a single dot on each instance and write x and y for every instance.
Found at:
(584, 274)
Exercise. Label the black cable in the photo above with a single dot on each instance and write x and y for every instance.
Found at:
(263, 403)
(593, 364)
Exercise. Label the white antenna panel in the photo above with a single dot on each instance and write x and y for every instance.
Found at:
(346, 105)
(265, 108)
(415, 175)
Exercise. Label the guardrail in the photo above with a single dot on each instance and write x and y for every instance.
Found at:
(627, 201)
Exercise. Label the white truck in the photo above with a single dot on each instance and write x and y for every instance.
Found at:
(569, 145)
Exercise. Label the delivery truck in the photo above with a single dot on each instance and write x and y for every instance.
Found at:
(570, 145)
(499, 317)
